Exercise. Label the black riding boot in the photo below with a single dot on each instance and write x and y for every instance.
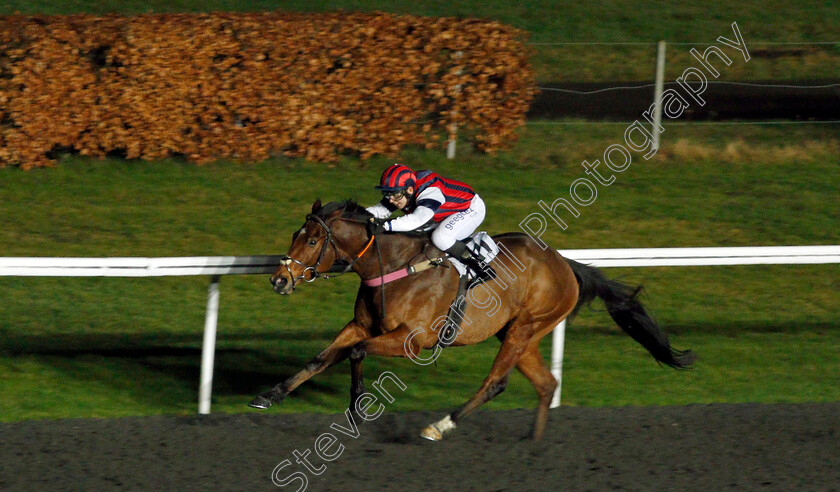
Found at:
(461, 252)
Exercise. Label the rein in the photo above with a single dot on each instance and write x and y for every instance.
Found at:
(403, 272)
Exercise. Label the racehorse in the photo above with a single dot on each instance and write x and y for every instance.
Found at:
(535, 289)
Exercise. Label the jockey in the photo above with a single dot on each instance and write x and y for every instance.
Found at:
(451, 207)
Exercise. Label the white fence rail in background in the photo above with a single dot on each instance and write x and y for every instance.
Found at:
(137, 267)
(648, 257)
(216, 266)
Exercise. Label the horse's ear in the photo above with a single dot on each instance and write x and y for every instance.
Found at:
(316, 206)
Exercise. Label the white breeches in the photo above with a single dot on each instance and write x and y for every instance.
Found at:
(459, 226)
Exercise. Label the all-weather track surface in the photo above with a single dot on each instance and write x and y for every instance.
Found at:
(698, 447)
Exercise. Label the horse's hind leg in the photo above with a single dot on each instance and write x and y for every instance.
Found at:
(532, 366)
(513, 347)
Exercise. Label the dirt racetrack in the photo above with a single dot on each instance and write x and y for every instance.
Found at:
(698, 447)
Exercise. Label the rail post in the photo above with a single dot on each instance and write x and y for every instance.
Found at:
(208, 347)
(557, 340)
(657, 94)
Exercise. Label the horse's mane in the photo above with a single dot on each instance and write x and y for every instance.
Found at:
(349, 210)
(352, 210)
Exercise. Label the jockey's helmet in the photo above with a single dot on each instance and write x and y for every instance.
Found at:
(395, 179)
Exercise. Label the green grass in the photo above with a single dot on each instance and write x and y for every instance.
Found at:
(83, 347)
(599, 370)
(548, 21)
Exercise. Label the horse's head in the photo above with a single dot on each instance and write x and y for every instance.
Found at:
(319, 243)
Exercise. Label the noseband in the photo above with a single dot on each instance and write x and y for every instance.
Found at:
(286, 260)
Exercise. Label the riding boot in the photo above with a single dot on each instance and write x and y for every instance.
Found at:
(461, 252)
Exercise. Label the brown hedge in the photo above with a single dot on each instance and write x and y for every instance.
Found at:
(251, 85)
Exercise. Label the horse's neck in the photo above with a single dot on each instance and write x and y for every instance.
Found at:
(396, 251)
(401, 248)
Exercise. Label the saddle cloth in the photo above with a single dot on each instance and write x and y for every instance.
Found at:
(483, 247)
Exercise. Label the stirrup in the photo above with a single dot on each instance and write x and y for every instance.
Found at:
(483, 274)
(461, 252)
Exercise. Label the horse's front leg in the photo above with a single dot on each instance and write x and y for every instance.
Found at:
(335, 352)
(357, 385)
(401, 342)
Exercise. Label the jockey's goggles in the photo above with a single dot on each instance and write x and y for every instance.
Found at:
(394, 195)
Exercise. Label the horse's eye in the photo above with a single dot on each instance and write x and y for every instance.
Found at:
(313, 242)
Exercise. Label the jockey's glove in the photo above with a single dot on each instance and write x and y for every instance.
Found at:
(376, 226)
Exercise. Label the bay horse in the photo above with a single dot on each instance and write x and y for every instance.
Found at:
(534, 289)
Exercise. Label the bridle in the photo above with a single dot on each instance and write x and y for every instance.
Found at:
(286, 260)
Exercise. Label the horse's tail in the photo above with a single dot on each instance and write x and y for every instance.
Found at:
(624, 307)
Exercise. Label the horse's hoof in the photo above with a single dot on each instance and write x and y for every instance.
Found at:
(260, 402)
(435, 431)
(431, 434)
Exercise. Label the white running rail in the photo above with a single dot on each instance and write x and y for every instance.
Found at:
(216, 266)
